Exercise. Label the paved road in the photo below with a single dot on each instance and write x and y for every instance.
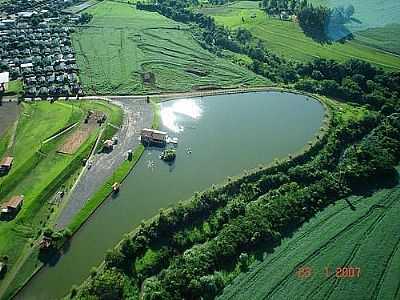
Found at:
(137, 115)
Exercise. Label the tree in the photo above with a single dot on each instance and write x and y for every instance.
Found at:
(108, 285)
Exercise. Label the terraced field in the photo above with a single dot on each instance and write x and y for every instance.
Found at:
(363, 234)
(121, 46)
(287, 38)
(369, 13)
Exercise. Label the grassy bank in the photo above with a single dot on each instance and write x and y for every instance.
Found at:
(105, 191)
(118, 176)
(287, 38)
(38, 173)
(122, 44)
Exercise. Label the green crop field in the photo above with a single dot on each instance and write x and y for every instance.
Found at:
(121, 44)
(287, 39)
(386, 38)
(368, 13)
(365, 235)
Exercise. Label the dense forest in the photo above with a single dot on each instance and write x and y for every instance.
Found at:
(194, 249)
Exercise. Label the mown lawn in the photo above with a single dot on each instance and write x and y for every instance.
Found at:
(121, 44)
(287, 39)
(40, 170)
(366, 236)
(15, 87)
(31, 172)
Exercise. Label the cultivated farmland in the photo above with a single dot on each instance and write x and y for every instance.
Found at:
(368, 13)
(125, 51)
(358, 232)
(386, 38)
(287, 39)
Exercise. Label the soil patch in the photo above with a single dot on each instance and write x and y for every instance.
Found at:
(8, 115)
(79, 136)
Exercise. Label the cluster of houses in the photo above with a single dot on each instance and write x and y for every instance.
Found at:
(35, 46)
(45, 8)
(42, 56)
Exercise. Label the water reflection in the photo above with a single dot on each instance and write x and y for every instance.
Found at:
(170, 113)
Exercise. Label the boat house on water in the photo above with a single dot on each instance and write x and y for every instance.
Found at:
(153, 137)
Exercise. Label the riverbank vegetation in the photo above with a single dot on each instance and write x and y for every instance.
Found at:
(118, 176)
(196, 248)
(40, 173)
(193, 249)
(105, 191)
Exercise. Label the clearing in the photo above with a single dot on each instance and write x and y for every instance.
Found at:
(126, 51)
(363, 234)
(287, 38)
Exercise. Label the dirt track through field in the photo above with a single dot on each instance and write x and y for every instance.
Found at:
(137, 115)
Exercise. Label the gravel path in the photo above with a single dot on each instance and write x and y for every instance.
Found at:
(137, 115)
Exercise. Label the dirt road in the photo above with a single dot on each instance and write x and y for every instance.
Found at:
(137, 115)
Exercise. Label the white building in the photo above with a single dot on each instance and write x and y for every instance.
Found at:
(4, 79)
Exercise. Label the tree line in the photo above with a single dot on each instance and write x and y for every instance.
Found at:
(183, 251)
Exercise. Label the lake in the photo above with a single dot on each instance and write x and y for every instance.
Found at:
(219, 136)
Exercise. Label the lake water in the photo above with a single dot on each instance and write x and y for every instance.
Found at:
(225, 135)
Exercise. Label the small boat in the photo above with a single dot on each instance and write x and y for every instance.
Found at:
(115, 187)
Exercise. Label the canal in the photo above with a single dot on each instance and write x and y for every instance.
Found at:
(219, 136)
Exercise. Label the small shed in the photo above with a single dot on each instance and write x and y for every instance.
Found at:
(4, 79)
(13, 205)
(6, 164)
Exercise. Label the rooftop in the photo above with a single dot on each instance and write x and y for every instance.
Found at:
(7, 161)
(14, 202)
(4, 77)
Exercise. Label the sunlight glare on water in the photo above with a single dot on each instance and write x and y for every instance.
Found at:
(170, 113)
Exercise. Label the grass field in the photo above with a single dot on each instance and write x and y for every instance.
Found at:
(39, 170)
(369, 13)
(386, 38)
(31, 172)
(14, 87)
(367, 237)
(287, 39)
(121, 44)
